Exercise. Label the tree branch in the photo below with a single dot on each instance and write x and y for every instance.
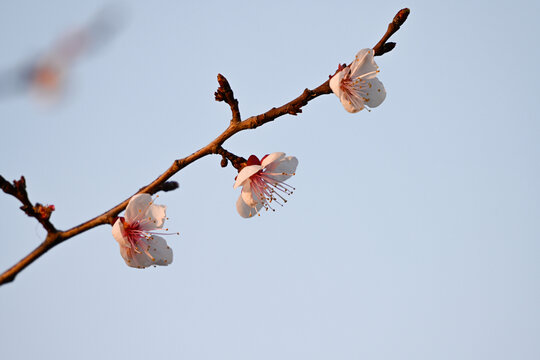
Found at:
(18, 190)
(161, 183)
(382, 46)
(225, 93)
(236, 161)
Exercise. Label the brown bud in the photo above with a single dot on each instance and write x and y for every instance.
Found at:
(224, 162)
(223, 90)
(218, 95)
(44, 211)
(170, 186)
(401, 16)
(388, 47)
(20, 185)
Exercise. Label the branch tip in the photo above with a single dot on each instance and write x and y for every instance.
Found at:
(382, 46)
(39, 212)
(225, 93)
(401, 16)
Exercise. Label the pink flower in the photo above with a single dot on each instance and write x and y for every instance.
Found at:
(263, 182)
(356, 85)
(139, 245)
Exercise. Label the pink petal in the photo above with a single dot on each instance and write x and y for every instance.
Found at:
(244, 210)
(335, 81)
(246, 173)
(271, 158)
(364, 65)
(137, 207)
(160, 254)
(118, 234)
(248, 196)
(283, 169)
(352, 104)
(153, 218)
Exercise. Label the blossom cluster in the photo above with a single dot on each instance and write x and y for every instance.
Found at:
(263, 181)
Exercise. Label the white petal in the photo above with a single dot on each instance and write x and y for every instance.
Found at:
(364, 65)
(352, 104)
(118, 234)
(335, 82)
(246, 173)
(160, 250)
(248, 196)
(134, 259)
(271, 158)
(283, 169)
(137, 207)
(244, 210)
(375, 93)
(160, 254)
(154, 217)
(127, 255)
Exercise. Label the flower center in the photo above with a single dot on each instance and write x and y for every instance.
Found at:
(138, 238)
(133, 233)
(346, 85)
(268, 188)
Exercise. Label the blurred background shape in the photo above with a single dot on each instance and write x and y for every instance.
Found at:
(47, 74)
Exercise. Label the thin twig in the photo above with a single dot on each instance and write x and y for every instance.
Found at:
(236, 161)
(18, 190)
(382, 46)
(225, 93)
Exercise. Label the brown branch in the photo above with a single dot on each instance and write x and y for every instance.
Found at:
(50, 241)
(167, 186)
(18, 190)
(236, 161)
(224, 93)
(382, 46)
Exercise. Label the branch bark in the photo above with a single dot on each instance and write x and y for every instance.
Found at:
(224, 93)
(382, 46)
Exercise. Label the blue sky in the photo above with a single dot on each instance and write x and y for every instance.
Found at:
(413, 232)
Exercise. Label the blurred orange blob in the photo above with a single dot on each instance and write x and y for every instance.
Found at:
(47, 78)
(46, 75)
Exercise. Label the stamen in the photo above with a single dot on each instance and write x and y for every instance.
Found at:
(138, 233)
(267, 189)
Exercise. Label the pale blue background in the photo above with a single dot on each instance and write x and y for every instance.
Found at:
(413, 233)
